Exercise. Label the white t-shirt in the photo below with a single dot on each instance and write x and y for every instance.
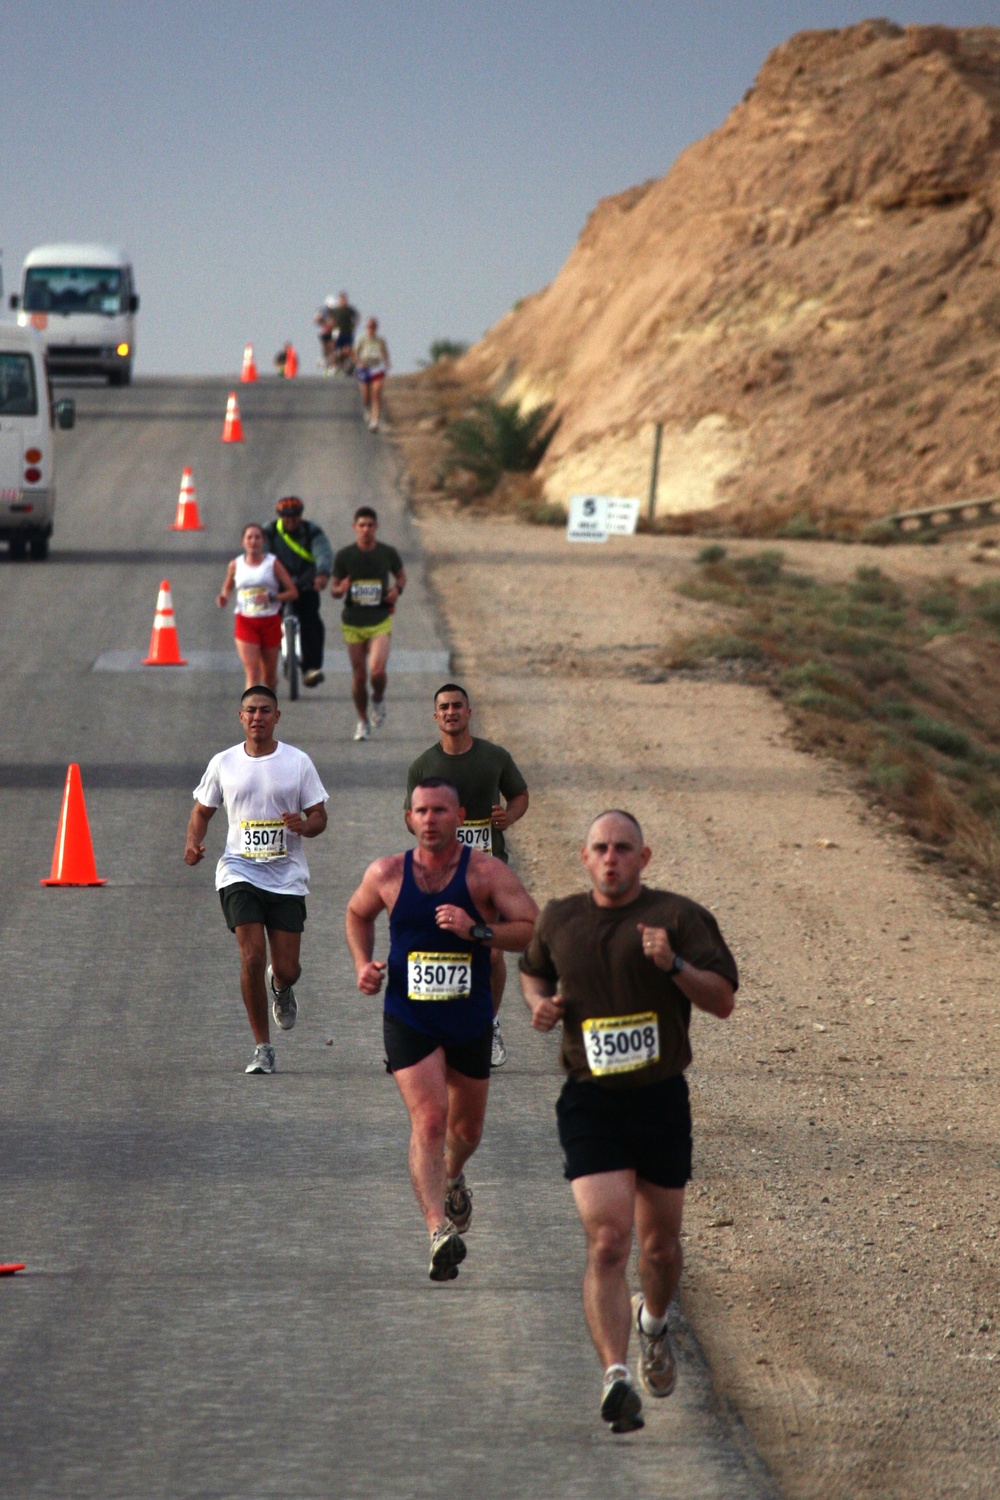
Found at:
(255, 791)
(256, 587)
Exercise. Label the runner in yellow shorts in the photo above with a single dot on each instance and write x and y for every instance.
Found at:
(369, 576)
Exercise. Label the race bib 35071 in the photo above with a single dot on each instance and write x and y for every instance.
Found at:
(619, 1044)
(366, 591)
(477, 833)
(439, 976)
(263, 838)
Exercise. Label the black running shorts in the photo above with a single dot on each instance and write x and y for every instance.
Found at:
(646, 1130)
(243, 903)
(405, 1045)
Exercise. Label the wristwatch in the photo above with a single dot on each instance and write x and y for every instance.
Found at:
(678, 965)
(480, 933)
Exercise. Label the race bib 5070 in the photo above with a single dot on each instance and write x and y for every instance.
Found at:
(619, 1044)
(263, 838)
(477, 833)
(439, 976)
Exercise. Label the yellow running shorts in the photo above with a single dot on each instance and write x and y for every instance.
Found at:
(356, 635)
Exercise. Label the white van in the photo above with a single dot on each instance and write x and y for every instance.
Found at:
(82, 300)
(27, 450)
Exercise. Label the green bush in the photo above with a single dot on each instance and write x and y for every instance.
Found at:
(800, 527)
(940, 736)
(761, 569)
(818, 701)
(445, 349)
(872, 586)
(986, 602)
(713, 553)
(940, 603)
(496, 439)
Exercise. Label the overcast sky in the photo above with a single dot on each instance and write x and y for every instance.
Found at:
(437, 160)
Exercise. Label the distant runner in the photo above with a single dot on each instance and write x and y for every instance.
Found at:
(371, 360)
(483, 773)
(344, 318)
(448, 905)
(369, 576)
(620, 966)
(303, 550)
(262, 584)
(273, 799)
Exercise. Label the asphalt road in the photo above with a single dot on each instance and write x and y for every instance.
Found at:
(226, 1289)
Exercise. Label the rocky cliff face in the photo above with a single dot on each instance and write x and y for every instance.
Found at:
(808, 301)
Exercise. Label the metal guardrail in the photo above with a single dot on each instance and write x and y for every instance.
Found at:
(956, 517)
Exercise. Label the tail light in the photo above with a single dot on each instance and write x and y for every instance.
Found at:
(33, 456)
(32, 475)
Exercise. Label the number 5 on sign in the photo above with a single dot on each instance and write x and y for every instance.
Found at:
(593, 518)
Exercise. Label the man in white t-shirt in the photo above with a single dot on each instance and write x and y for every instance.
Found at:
(274, 799)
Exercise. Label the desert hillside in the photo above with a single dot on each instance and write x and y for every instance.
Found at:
(809, 300)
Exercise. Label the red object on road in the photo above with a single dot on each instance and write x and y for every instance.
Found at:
(73, 855)
(9, 1270)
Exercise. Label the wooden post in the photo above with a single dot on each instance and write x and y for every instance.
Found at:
(654, 472)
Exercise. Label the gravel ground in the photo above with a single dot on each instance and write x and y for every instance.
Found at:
(841, 1230)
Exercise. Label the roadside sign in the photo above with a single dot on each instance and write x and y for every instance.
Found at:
(593, 518)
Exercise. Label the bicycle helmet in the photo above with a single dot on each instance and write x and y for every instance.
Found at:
(290, 505)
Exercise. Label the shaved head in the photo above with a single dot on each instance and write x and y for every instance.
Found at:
(617, 812)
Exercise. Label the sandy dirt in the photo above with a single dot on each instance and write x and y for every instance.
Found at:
(840, 1240)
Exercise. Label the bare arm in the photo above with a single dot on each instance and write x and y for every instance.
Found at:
(288, 589)
(194, 849)
(502, 817)
(362, 910)
(308, 824)
(703, 987)
(515, 911)
(222, 598)
(339, 586)
(542, 998)
(393, 594)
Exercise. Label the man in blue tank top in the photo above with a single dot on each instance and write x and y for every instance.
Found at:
(448, 905)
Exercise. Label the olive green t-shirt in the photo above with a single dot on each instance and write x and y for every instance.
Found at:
(626, 1021)
(482, 775)
(369, 572)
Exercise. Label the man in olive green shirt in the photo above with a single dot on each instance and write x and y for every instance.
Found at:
(482, 773)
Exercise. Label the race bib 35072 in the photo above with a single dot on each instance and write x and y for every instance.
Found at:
(620, 1044)
(477, 833)
(263, 838)
(439, 976)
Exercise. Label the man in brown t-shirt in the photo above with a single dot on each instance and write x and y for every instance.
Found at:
(620, 966)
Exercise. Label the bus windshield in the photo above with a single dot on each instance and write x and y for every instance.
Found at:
(73, 289)
(18, 396)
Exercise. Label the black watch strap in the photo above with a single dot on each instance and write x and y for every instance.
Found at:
(678, 964)
(480, 933)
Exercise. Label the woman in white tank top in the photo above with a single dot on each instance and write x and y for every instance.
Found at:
(262, 585)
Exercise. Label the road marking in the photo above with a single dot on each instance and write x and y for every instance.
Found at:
(434, 663)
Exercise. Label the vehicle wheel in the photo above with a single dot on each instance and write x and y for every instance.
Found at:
(39, 548)
(18, 548)
(292, 658)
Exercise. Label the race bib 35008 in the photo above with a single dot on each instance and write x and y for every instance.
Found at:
(263, 838)
(477, 833)
(619, 1044)
(439, 976)
(366, 591)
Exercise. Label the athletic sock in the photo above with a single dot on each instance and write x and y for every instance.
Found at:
(616, 1372)
(454, 1181)
(651, 1326)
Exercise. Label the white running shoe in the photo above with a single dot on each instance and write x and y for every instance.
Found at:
(377, 713)
(262, 1060)
(621, 1404)
(458, 1204)
(498, 1052)
(657, 1367)
(284, 1006)
(363, 731)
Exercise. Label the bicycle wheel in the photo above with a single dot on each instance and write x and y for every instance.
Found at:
(291, 633)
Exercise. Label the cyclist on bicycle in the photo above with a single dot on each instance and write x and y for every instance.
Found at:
(301, 546)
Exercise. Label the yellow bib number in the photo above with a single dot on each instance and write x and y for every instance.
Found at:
(439, 976)
(263, 838)
(477, 833)
(620, 1044)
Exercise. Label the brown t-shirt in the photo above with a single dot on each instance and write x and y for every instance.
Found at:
(626, 1021)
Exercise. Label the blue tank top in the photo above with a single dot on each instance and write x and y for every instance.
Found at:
(438, 982)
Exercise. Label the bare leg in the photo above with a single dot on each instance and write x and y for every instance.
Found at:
(253, 960)
(252, 657)
(378, 658)
(658, 1213)
(284, 956)
(376, 401)
(425, 1093)
(466, 1113)
(498, 978)
(359, 677)
(605, 1202)
(269, 664)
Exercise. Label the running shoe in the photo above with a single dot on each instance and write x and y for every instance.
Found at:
(363, 732)
(447, 1253)
(284, 1006)
(373, 425)
(313, 677)
(262, 1060)
(458, 1204)
(377, 713)
(498, 1053)
(621, 1404)
(657, 1367)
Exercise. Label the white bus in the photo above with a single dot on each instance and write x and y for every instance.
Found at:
(81, 299)
(27, 452)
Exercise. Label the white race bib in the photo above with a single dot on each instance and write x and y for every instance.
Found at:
(366, 591)
(263, 838)
(619, 1044)
(254, 601)
(477, 833)
(439, 976)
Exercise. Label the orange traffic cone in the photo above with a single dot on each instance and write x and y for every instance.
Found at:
(164, 647)
(73, 856)
(187, 518)
(249, 371)
(232, 427)
(291, 361)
